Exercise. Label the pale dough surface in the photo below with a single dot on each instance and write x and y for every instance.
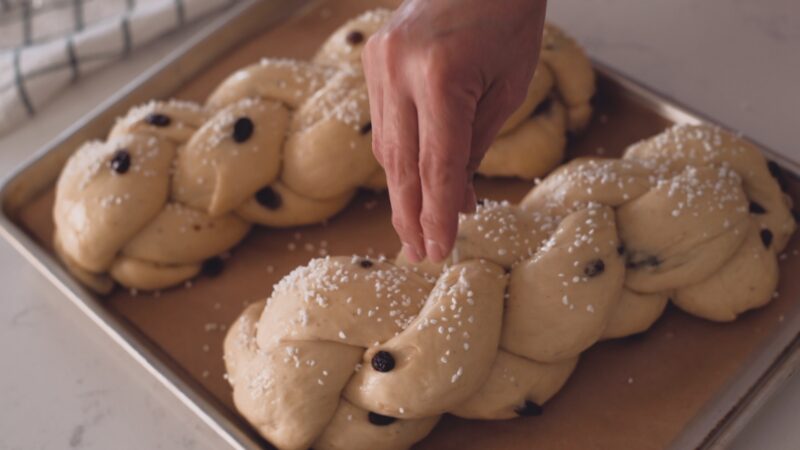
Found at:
(346, 346)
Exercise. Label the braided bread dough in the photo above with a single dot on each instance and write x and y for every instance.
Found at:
(574, 76)
(279, 143)
(356, 353)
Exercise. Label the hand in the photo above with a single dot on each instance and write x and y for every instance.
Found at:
(443, 75)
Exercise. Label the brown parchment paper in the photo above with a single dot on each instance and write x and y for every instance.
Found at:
(633, 393)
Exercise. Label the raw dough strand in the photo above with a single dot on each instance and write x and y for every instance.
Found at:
(364, 354)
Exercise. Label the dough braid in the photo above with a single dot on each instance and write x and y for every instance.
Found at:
(357, 353)
(279, 143)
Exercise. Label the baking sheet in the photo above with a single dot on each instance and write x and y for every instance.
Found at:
(669, 387)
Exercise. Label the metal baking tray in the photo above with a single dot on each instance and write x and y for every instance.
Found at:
(747, 383)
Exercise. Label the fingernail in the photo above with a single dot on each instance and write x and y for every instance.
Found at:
(435, 250)
(411, 253)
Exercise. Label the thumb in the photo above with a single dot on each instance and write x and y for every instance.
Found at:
(495, 106)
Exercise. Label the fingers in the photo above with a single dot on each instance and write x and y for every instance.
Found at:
(375, 94)
(399, 146)
(470, 198)
(395, 144)
(445, 136)
(494, 107)
(430, 132)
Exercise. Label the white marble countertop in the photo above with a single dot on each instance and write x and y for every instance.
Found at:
(63, 384)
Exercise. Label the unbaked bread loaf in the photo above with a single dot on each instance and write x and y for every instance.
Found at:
(354, 353)
(279, 143)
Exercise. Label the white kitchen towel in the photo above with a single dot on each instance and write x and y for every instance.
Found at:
(45, 45)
